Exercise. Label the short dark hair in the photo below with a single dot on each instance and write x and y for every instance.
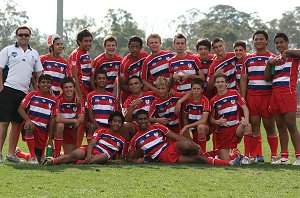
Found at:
(116, 114)
(23, 27)
(100, 71)
(198, 81)
(216, 40)
(205, 42)
(45, 77)
(83, 33)
(141, 112)
(179, 36)
(240, 43)
(281, 35)
(220, 75)
(67, 79)
(110, 38)
(135, 38)
(261, 32)
(137, 77)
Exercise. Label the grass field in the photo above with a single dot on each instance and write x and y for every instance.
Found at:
(150, 180)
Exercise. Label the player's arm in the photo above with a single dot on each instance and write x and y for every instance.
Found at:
(51, 131)
(175, 136)
(245, 109)
(1, 79)
(267, 73)
(180, 101)
(35, 79)
(22, 112)
(295, 52)
(91, 118)
(130, 110)
(89, 156)
(243, 85)
(149, 86)
(135, 157)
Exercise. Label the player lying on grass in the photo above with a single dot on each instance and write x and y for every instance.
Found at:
(150, 143)
(105, 144)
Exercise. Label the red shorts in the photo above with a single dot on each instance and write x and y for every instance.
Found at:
(94, 151)
(40, 137)
(280, 104)
(227, 138)
(69, 136)
(259, 105)
(169, 155)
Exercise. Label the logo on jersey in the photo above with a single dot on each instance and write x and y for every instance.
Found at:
(14, 54)
(74, 109)
(190, 65)
(232, 101)
(110, 100)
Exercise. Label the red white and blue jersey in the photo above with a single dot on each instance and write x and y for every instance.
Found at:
(254, 66)
(286, 76)
(205, 64)
(164, 108)
(155, 66)
(238, 70)
(226, 106)
(146, 100)
(82, 61)
(109, 142)
(102, 105)
(40, 108)
(58, 69)
(69, 109)
(132, 67)
(111, 66)
(188, 64)
(228, 66)
(195, 109)
(152, 141)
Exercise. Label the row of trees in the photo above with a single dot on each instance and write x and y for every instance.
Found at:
(221, 21)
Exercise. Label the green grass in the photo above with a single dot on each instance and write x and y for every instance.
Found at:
(150, 180)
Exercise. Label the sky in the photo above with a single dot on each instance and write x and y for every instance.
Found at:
(153, 17)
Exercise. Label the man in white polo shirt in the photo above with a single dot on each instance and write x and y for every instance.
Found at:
(18, 63)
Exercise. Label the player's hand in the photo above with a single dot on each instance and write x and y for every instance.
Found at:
(183, 130)
(76, 123)
(163, 121)
(244, 122)
(177, 108)
(119, 161)
(140, 161)
(28, 125)
(222, 122)
(136, 102)
(88, 159)
(185, 76)
(171, 92)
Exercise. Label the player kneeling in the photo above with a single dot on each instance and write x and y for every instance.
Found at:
(104, 145)
(150, 140)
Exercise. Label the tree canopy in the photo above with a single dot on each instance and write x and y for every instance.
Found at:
(220, 21)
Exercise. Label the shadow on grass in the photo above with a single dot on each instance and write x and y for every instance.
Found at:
(152, 165)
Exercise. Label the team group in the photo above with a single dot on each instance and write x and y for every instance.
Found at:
(163, 106)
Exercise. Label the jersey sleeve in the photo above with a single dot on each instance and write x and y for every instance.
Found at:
(26, 100)
(163, 128)
(206, 104)
(81, 108)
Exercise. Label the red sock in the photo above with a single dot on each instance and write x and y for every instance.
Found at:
(202, 144)
(55, 161)
(259, 148)
(254, 146)
(273, 143)
(297, 154)
(284, 154)
(79, 162)
(23, 155)
(213, 161)
(215, 140)
(211, 153)
(30, 143)
(88, 138)
(247, 144)
(57, 145)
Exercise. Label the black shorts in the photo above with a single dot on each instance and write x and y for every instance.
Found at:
(10, 100)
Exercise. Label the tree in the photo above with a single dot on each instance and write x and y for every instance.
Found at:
(10, 19)
(120, 24)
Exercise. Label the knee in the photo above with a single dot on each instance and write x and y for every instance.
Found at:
(59, 128)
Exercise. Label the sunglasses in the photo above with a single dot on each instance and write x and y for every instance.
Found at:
(22, 35)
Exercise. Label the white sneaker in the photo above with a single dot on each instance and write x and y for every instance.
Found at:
(252, 160)
(235, 162)
(48, 161)
(283, 160)
(297, 162)
(245, 160)
(13, 158)
(273, 160)
(33, 160)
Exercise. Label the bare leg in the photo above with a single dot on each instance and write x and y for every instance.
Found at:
(13, 138)
(75, 155)
(3, 133)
